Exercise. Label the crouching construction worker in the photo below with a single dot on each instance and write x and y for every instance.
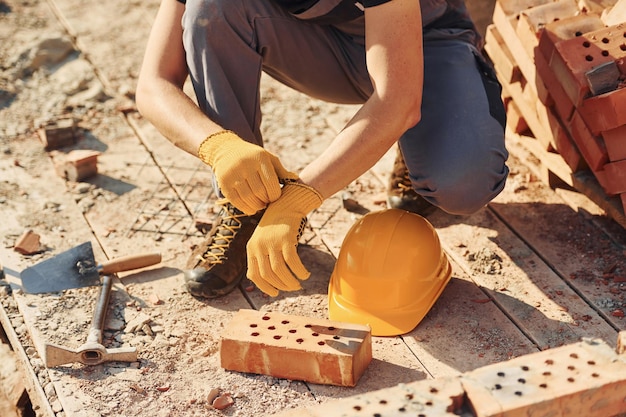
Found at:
(414, 66)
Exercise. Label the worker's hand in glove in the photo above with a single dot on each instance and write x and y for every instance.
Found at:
(273, 262)
(246, 173)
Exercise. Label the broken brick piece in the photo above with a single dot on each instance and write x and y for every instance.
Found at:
(28, 243)
(58, 134)
(80, 164)
(582, 379)
(223, 401)
(297, 348)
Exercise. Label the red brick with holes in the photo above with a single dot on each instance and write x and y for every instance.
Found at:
(296, 348)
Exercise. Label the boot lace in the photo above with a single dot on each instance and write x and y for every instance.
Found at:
(231, 222)
(401, 181)
(215, 252)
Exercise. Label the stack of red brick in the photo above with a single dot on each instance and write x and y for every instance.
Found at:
(563, 68)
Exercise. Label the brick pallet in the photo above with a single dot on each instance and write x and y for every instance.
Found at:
(562, 67)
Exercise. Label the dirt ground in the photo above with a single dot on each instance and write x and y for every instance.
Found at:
(80, 59)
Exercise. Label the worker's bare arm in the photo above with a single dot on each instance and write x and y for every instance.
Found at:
(395, 63)
(160, 96)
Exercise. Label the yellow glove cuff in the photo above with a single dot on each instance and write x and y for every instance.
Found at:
(211, 143)
(299, 198)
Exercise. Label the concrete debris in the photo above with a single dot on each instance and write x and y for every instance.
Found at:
(136, 324)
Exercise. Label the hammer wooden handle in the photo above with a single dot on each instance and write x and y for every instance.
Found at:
(127, 263)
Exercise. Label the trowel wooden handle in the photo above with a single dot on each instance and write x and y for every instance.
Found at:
(127, 263)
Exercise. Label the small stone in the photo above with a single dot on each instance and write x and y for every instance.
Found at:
(213, 394)
(155, 300)
(115, 324)
(147, 330)
(56, 406)
(157, 329)
(223, 401)
(137, 323)
(49, 390)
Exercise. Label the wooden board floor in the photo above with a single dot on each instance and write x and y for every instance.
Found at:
(538, 268)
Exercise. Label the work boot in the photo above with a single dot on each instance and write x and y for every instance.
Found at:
(401, 194)
(218, 265)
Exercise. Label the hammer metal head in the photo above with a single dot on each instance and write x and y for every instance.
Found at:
(88, 354)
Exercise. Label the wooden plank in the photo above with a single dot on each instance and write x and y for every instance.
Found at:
(583, 181)
(547, 162)
(465, 312)
(551, 218)
(522, 93)
(586, 182)
(537, 299)
(542, 120)
(501, 56)
(514, 119)
(35, 391)
(506, 24)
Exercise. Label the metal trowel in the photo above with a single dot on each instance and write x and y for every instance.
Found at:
(77, 268)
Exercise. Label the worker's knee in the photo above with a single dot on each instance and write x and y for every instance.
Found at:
(466, 192)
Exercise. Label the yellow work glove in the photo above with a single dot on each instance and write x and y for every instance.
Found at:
(273, 261)
(246, 173)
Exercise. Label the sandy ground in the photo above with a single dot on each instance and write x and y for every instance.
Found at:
(80, 60)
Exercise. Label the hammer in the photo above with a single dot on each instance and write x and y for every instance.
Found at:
(92, 352)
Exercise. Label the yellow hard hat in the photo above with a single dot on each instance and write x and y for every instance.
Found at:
(390, 271)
